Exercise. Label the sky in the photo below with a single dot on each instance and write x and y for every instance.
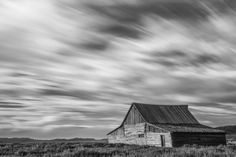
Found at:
(71, 68)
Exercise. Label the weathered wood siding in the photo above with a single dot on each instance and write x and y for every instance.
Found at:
(152, 128)
(154, 139)
(140, 134)
(213, 139)
(129, 134)
(153, 136)
(133, 117)
(117, 136)
(135, 134)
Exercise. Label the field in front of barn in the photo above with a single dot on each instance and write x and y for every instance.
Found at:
(77, 149)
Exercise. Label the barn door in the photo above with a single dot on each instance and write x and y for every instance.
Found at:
(163, 141)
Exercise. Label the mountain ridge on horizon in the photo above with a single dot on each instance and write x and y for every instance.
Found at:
(29, 140)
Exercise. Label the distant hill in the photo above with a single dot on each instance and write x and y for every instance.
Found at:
(16, 140)
(230, 129)
(29, 140)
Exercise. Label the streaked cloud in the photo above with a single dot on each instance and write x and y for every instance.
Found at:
(212, 110)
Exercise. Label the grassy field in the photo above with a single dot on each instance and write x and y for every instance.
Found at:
(75, 149)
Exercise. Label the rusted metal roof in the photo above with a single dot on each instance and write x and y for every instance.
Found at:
(166, 114)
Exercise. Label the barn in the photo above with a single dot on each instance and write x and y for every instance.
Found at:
(164, 126)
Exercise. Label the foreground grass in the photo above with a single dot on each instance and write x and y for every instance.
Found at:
(74, 149)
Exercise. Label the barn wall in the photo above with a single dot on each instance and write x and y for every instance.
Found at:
(129, 134)
(152, 128)
(133, 117)
(140, 134)
(214, 139)
(117, 136)
(153, 136)
(154, 139)
(135, 134)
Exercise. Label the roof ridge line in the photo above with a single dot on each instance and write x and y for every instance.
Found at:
(134, 103)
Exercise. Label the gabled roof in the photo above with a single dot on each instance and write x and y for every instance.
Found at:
(166, 114)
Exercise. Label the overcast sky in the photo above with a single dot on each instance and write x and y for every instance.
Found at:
(71, 68)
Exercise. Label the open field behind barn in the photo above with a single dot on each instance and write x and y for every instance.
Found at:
(78, 149)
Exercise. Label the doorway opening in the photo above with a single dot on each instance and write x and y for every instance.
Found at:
(163, 141)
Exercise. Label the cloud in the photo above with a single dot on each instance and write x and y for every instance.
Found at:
(96, 45)
(182, 59)
(29, 31)
(129, 12)
(212, 110)
(49, 128)
(80, 94)
(11, 106)
(224, 97)
(126, 19)
(122, 31)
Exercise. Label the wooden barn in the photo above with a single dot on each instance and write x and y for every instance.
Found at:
(164, 126)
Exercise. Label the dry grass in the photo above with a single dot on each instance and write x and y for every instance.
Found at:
(73, 149)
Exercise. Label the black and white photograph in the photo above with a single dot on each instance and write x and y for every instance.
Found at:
(118, 78)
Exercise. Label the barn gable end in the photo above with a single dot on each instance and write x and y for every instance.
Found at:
(133, 116)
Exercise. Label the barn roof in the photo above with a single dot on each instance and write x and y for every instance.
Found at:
(166, 114)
